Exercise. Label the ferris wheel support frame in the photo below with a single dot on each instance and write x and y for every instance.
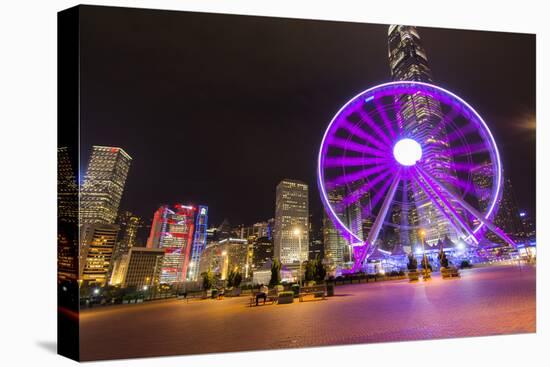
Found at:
(490, 225)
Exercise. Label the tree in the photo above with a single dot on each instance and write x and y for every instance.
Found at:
(275, 273)
(310, 271)
(207, 280)
(320, 270)
(237, 280)
(413, 263)
(231, 279)
(425, 264)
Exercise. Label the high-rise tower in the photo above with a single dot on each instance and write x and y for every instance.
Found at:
(172, 230)
(199, 243)
(103, 185)
(421, 114)
(291, 222)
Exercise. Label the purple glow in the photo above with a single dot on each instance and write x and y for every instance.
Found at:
(363, 169)
(358, 175)
(407, 152)
(357, 131)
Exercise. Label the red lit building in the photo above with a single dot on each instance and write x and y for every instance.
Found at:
(172, 230)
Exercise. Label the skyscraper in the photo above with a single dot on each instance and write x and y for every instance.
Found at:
(337, 249)
(67, 217)
(129, 226)
(67, 187)
(172, 230)
(291, 222)
(103, 185)
(421, 114)
(508, 217)
(199, 243)
(97, 242)
(262, 252)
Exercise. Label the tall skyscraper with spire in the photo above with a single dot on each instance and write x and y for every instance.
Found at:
(421, 114)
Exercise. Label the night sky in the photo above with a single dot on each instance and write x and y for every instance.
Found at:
(217, 109)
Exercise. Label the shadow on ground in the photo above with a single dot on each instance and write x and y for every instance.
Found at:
(48, 345)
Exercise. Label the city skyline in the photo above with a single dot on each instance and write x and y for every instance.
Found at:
(227, 173)
(140, 116)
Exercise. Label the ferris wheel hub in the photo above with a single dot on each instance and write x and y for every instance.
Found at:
(407, 152)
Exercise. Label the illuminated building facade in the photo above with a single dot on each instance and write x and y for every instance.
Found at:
(172, 230)
(67, 217)
(260, 229)
(508, 217)
(336, 249)
(420, 115)
(235, 256)
(262, 252)
(316, 250)
(103, 185)
(140, 267)
(291, 214)
(199, 243)
(67, 187)
(129, 226)
(482, 177)
(229, 254)
(97, 242)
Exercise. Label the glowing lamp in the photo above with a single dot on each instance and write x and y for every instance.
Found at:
(407, 152)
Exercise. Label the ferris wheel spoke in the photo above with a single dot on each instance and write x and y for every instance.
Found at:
(355, 147)
(382, 111)
(434, 196)
(357, 131)
(440, 126)
(362, 174)
(377, 225)
(461, 133)
(464, 166)
(375, 200)
(493, 228)
(469, 150)
(331, 162)
(404, 200)
(374, 126)
(360, 192)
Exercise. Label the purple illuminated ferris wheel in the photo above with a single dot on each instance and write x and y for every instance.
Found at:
(406, 156)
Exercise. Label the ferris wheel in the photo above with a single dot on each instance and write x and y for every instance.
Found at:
(409, 156)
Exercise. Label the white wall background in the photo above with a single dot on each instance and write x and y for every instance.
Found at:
(28, 180)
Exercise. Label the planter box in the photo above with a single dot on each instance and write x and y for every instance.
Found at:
(450, 272)
(413, 276)
(426, 274)
(286, 298)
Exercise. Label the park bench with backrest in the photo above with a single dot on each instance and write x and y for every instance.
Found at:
(272, 297)
(314, 290)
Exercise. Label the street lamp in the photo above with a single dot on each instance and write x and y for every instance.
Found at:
(298, 233)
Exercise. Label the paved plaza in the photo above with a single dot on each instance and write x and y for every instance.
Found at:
(484, 301)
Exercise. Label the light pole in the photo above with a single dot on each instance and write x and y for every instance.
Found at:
(298, 233)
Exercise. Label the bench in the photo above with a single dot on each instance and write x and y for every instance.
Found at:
(315, 290)
(272, 297)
